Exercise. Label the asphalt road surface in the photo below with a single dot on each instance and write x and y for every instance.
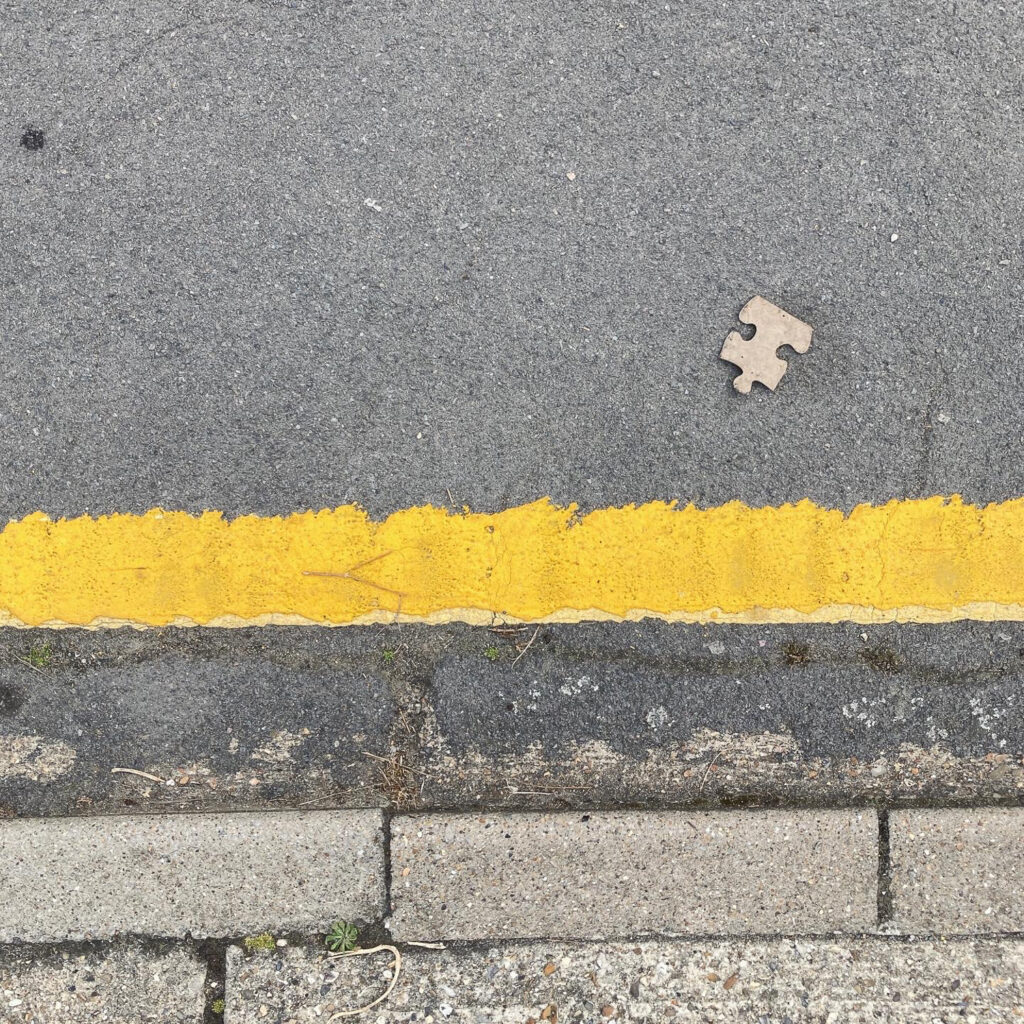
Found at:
(270, 256)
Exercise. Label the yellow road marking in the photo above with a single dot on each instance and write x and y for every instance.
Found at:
(933, 559)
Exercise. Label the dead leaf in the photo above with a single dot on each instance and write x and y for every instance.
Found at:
(731, 980)
(549, 969)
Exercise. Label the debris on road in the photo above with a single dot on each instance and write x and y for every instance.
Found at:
(773, 327)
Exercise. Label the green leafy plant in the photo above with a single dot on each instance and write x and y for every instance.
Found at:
(263, 943)
(342, 937)
(492, 653)
(388, 654)
(217, 1006)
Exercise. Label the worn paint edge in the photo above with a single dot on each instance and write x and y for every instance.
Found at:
(985, 611)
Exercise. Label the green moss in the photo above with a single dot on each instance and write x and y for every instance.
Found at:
(264, 943)
(217, 1006)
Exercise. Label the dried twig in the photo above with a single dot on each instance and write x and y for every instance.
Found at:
(427, 945)
(25, 661)
(350, 574)
(506, 630)
(391, 985)
(141, 775)
(552, 791)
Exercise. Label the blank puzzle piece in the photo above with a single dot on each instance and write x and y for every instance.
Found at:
(756, 358)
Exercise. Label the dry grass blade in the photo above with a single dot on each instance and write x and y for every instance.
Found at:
(391, 985)
(708, 770)
(141, 775)
(529, 644)
(398, 765)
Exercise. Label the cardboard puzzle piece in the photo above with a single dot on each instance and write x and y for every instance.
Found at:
(756, 358)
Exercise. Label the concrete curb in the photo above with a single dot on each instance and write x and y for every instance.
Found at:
(216, 874)
(958, 871)
(614, 874)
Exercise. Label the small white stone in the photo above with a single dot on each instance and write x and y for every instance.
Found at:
(893, 236)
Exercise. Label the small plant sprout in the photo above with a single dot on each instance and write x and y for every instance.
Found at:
(492, 653)
(388, 655)
(342, 937)
(39, 655)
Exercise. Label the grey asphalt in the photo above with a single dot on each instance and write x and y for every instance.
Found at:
(266, 256)
(452, 717)
(274, 255)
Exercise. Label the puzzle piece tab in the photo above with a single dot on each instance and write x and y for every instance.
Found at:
(756, 358)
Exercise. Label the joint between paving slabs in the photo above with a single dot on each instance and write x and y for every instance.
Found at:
(885, 902)
(215, 953)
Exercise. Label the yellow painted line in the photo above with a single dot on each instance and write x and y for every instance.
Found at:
(932, 559)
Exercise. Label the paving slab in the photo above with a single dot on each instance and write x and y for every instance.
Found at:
(172, 875)
(119, 985)
(958, 870)
(799, 981)
(609, 874)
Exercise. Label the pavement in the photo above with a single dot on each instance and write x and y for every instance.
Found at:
(295, 255)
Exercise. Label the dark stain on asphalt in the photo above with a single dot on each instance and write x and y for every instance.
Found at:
(10, 700)
(33, 138)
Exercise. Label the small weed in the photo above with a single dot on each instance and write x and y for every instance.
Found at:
(492, 653)
(796, 654)
(217, 1006)
(388, 655)
(39, 655)
(259, 943)
(883, 659)
(342, 937)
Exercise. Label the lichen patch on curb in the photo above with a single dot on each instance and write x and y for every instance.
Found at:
(34, 758)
